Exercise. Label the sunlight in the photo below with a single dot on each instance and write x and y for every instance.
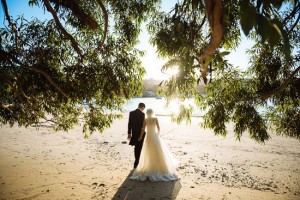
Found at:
(152, 63)
(174, 106)
(172, 71)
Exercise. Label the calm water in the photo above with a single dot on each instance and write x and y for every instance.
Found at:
(159, 106)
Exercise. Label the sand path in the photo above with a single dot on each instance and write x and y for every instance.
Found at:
(41, 164)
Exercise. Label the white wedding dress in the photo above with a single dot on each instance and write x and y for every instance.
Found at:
(156, 161)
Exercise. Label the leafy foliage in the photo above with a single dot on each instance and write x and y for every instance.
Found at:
(86, 54)
(49, 68)
(266, 95)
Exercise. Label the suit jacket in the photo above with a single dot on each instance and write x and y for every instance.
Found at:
(135, 125)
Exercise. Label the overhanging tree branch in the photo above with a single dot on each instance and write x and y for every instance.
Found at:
(294, 25)
(292, 14)
(5, 8)
(202, 23)
(78, 12)
(6, 106)
(295, 117)
(279, 89)
(214, 13)
(100, 3)
(4, 54)
(48, 78)
(62, 29)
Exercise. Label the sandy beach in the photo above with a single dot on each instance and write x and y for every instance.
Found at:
(43, 164)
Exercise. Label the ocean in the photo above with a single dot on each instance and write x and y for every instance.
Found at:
(159, 106)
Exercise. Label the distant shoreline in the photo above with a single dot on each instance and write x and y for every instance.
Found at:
(170, 115)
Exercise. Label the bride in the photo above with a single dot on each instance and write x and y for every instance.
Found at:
(156, 161)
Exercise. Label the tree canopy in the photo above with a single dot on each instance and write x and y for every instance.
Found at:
(84, 59)
(266, 95)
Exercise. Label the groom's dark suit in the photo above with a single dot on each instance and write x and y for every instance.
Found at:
(135, 124)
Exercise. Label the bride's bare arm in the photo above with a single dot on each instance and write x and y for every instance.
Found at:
(157, 124)
(142, 131)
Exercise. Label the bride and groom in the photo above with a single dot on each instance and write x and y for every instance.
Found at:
(153, 160)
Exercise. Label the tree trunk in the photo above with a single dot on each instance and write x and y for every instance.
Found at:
(214, 13)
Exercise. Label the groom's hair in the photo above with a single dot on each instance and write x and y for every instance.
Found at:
(142, 105)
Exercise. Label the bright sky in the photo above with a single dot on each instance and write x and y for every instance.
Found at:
(151, 62)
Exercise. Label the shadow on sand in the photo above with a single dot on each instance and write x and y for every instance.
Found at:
(131, 190)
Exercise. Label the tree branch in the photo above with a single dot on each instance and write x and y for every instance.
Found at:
(294, 25)
(48, 78)
(105, 22)
(7, 15)
(295, 117)
(202, 23)
(184, 7)
(6, 55)
(279, 89)
(214, 13)
(62, 29)
(292, 14)
(48, 120)
(78, 12)
(6, 106)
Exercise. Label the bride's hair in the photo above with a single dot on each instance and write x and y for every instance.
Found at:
(149, 111)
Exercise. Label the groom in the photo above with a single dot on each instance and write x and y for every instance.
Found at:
(135, 124)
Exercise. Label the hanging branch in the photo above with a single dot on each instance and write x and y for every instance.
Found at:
(279, 89)
(294, 25)
(294, 118)
(6, 106)
(4, 54)
(61, 28)
(202, 23)
(7, 15)
(48, 78)
(294, 11)
(78, 12)
(105, 22)
(214, 13)
(184, 6)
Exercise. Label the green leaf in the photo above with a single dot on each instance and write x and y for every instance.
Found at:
(160, 83)
(247, 16)
(275, 37)
(208, 60)
(278, 27)
(224, 53)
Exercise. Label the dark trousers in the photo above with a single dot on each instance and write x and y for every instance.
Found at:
(137, 152)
